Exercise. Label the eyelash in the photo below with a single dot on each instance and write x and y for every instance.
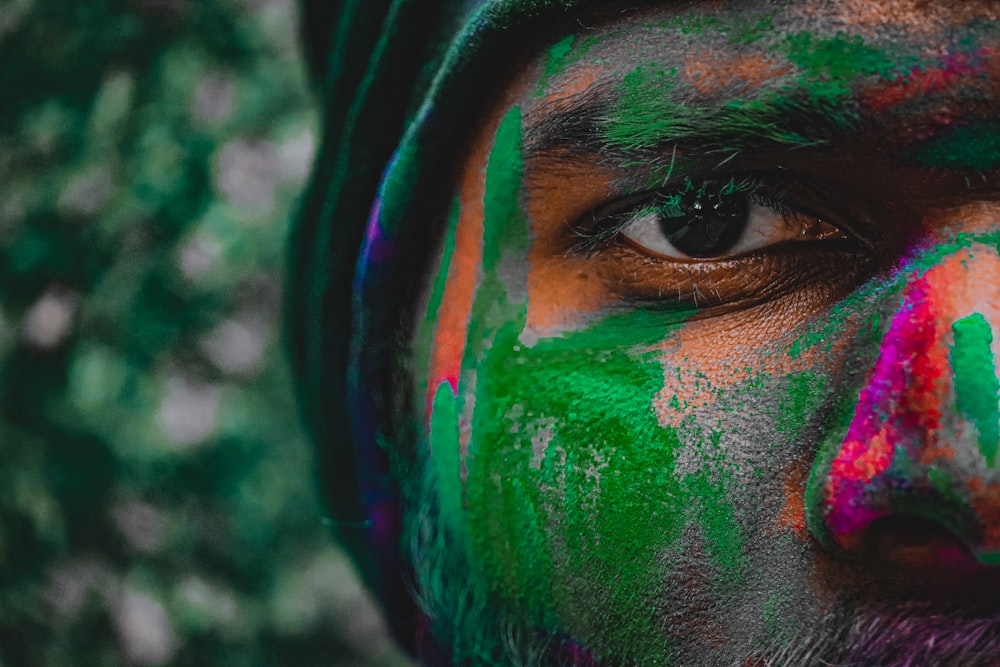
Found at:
(606, 225)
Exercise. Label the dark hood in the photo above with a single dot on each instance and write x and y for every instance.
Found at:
(401, 83)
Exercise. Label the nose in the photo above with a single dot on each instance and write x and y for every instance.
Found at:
(922, 444)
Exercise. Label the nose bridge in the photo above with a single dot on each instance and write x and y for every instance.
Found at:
(923, 439)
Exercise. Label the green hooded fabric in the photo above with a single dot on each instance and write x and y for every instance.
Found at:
(402, 83)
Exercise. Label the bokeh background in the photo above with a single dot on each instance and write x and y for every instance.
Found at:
(158, 504)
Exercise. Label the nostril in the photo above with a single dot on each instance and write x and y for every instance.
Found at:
(914, 543)
(913, 479)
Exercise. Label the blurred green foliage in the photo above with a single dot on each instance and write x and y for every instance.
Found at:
(157, 500)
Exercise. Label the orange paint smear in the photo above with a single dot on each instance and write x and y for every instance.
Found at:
(463, 276)
(925, 17)
(710, 72)
(717, 357)
(793, 512)
(560, 283)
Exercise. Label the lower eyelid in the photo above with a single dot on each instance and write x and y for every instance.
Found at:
(734, 282)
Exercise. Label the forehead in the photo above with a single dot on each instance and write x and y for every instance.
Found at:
(901, 82)
(748, 21)
(714, 46)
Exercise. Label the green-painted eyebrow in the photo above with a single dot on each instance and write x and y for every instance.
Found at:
(625, 125)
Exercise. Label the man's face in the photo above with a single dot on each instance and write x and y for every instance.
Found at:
(709, 363)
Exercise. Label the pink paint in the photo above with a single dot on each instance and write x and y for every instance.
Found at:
(378, 248)
(908, 450)
(898, 412)
(922, 82)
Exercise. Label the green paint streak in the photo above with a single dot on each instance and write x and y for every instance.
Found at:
(652, 108)
(831, 66)
(749, 32)
(976, 386)
(839, 59)
(504, 529)
(555, 62)
(741, 29)
(874, 329)
(629, 329)
(445, 456)
(957, 243)
(774, 614)
(521, 510)
(949, 491)
(806, 393)
(505, 234)
(967, 147)
(441, 281)
(988, 558)
(505, 229)
(645, 113)
(722, 535)
(560, 56)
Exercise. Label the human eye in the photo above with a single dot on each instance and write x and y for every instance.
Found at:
(717, 242)
(715, 220)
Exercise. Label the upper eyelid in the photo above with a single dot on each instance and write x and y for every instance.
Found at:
(619, 213)
(603, 224)
(626, 208)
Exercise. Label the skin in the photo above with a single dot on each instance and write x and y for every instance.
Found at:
(777, 455)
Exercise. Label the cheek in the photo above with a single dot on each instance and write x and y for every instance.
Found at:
(581, 471)
(582, 508)
(569, 474)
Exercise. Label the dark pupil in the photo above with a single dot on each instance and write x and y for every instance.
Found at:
(705, 224)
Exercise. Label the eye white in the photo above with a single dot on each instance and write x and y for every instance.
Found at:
(763, 227)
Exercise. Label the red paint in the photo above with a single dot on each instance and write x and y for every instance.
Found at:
(922, 82)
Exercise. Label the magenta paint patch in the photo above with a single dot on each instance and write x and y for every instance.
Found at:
(926, 81)
(921, 443)
(377, 248)
(898, 411)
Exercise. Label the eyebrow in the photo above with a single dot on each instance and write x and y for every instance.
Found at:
(600, 121)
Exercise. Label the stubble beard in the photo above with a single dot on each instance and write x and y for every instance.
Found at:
(467, 626)
(914, 634)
